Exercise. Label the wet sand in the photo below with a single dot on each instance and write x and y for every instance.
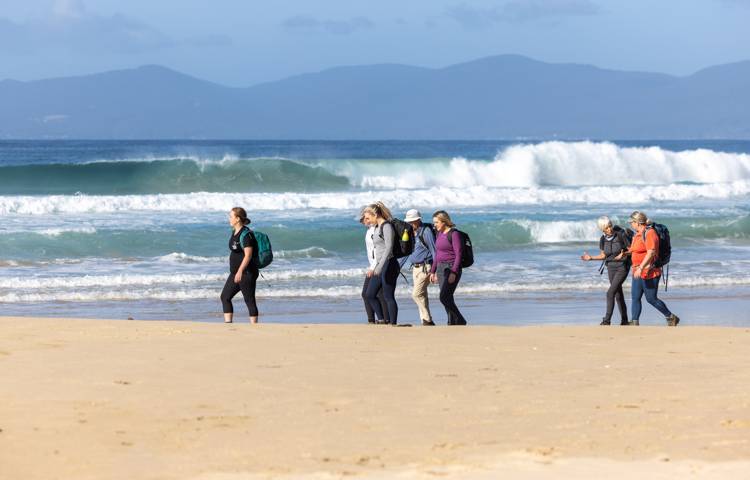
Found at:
(92, 399)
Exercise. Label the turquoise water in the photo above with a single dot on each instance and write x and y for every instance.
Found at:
(118, 229)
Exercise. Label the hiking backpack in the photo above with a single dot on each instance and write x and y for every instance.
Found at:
(665, 244)
(403, 240)
(427, 226)
(263, 254)
(467, 250)
(664, 255)
(626, 236)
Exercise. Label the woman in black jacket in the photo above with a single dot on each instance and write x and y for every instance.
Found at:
(613, 242)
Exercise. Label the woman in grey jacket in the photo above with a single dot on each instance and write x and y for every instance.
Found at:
(385, 273)
(370, 248)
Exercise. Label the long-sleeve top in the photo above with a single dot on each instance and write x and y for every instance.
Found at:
(383, 240)
(448, 250)
(370, 246)
(423, 252)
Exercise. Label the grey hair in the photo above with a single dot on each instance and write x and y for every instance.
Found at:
(603, 222)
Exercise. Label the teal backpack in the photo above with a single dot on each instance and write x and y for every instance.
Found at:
(263, 255)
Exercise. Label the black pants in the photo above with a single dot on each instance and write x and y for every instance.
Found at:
(386, 282)
(617, 276)
(246, 286)
(368, 307)
(446, 293)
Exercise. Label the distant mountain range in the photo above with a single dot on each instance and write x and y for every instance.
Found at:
(499, 97)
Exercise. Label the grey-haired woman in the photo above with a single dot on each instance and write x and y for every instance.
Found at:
(612, 244)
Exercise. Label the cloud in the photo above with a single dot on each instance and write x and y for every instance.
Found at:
(474, 18)
(73, 27)
(336, 27)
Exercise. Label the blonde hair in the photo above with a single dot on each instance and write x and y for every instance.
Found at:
(443, 216)
(240, 213)
(640, 218)
(379, 210)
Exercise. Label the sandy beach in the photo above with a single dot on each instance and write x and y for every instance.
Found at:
(94, 399)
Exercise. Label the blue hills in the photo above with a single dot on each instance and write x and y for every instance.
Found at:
(499, 97)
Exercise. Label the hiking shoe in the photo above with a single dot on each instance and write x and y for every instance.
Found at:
(673, 320)
(634, 323)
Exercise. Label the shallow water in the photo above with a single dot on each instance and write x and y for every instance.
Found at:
(138, 229)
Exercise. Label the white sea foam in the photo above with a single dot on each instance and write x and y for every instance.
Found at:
(146, 280)
(153, 292)
(399, 199)
(56, 232)
(179, 257)
(557, 164)
(560, 231)
(310, 252)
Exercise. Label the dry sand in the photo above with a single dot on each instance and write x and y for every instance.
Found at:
(93, 399)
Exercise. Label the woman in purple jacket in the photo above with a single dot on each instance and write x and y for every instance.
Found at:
(446, 269)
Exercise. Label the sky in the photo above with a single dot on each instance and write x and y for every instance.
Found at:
(246, 42)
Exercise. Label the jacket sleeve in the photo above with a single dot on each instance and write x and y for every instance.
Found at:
(388, 235)
(457, 250)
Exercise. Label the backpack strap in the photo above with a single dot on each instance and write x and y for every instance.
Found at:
(450, 236)
(421, 234)
(243, 234)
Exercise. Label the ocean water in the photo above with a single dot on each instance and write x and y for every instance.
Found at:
(122, 229)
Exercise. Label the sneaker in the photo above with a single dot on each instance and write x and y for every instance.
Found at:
(428, 323)
(624, 322)
(673, 320)
(634, 323)
(605, 322)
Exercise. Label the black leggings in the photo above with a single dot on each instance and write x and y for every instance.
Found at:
(386, 282)
(446, 293)
(368, 308)
(246, 286)
(617, 276)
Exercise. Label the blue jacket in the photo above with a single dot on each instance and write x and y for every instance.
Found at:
(423, 252)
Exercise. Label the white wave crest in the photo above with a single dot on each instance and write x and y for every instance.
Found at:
(439, 197)
(108, 293)
(560, 231)
(145, 280)
(56, 232)
(184, 258)
(557, 164)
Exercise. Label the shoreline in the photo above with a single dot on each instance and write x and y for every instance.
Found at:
(695, 307)
(103, 399)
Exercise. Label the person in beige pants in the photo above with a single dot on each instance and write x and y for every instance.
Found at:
(421, 263)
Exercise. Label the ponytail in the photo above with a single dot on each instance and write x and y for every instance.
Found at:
(240, 213)
(379, 210)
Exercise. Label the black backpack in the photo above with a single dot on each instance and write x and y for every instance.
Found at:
(665, 244)
(626, 236)
(403, 241)
(421, 232)
(467, 250)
